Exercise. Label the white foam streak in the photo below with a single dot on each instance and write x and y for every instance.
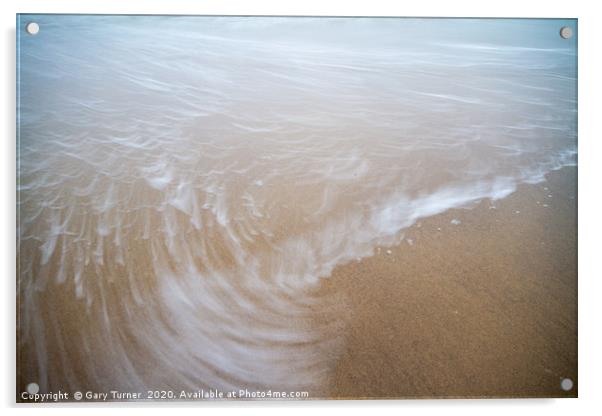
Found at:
(179, 208)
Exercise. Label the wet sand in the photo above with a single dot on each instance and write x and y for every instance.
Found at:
(477, 302)
(486, 307)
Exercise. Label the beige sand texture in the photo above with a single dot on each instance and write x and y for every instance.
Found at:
(201, 201)
(478, 302)
(483, 308)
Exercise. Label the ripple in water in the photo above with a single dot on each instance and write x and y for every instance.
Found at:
(185, 183)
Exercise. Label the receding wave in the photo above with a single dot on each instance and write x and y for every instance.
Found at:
(185, 183)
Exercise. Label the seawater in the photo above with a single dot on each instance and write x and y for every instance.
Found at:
(184, 183)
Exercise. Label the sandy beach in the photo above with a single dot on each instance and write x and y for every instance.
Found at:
(473, 303)
(289, 204)
(478, 302)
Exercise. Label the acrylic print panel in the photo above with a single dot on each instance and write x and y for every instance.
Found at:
(295, 208)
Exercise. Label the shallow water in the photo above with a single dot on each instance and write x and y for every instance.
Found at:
(184, 183)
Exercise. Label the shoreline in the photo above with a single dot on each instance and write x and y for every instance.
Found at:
(474, 302)
(478, 302)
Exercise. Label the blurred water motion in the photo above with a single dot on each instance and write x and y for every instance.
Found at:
(185, 182)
